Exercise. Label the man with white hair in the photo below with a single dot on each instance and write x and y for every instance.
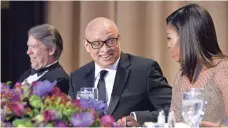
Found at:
(45, 46)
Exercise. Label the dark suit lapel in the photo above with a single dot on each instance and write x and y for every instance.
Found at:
(120, 80)
(88, 77)
(25, 75)
(45, 76)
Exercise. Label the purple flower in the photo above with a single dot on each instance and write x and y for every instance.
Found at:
(98, 105)
(16, 98)
(7, 124)
(17, 94)
(83, 119)
(92, 103)
(41, 88)
(226, 123)
(84, 103)
(1, 87)
(4, 88)
(61, 124)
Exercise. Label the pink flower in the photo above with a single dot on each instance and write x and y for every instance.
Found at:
(107, 120)
(56, 91)
(18, 85)
(47, 115)
(76, 103)
(17, 108)
(51, 115)
(34, 83)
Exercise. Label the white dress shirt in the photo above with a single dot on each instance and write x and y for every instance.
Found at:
(109, 78)
(35, 77)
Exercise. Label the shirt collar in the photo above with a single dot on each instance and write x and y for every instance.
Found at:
(52, 63)
(109, 68)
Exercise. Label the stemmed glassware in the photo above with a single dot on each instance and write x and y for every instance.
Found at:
(193, 105)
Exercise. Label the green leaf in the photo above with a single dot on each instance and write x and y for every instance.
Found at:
(61, 106)
(8, 83)
(22, 123)
(35, 101)
(97, 123)
(39, 118)
(27, 89)
(28, 123)
(49, 125)
(36, 111)
(68, 112)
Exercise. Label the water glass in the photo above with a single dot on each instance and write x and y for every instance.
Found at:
(88, 93)
(193, 105)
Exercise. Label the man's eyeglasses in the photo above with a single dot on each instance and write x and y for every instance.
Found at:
(111, 42)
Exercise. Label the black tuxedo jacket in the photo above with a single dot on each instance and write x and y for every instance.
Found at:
(139, 87)
(56, 73)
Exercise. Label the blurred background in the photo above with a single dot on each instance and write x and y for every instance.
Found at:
(141, 25)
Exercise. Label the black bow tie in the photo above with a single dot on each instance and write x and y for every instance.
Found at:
(42, 70)
(39, 71)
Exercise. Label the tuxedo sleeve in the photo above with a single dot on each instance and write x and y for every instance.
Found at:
(63, 85)
(159, 94)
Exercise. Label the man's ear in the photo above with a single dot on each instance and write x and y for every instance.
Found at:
(52, 51)
(86, 45)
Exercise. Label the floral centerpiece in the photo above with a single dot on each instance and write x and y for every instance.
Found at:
(42, 104)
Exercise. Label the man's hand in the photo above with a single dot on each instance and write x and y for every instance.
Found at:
(128, 121)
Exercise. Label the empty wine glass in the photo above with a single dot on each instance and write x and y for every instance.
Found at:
(193, 105)
(89, 93)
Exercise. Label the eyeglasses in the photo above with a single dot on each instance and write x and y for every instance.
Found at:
(111, 42)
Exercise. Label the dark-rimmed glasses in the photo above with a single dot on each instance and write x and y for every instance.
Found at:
(111, 42)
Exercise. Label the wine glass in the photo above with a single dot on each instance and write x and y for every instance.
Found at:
(88, 93)
(193, 105)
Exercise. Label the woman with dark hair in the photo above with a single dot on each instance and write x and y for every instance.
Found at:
(193, 43)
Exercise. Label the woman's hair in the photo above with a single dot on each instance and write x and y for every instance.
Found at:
(198, 41)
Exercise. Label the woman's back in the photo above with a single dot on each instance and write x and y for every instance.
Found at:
(215, 82)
